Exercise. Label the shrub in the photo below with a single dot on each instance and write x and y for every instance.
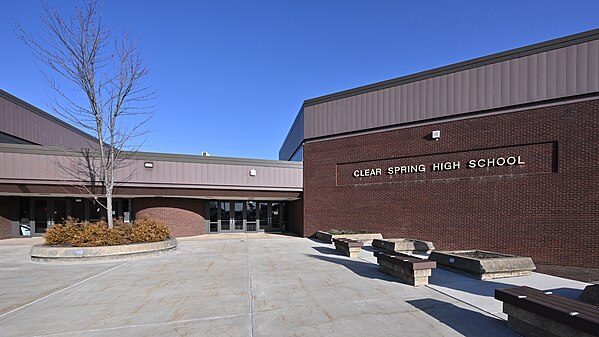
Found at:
(148, 230)
(86, 234)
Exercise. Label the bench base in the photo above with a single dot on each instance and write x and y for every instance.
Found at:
(413, 277)
(529, 324)
(590, 294)
(352, 252)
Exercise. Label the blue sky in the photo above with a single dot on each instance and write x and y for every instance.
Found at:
(231, 75)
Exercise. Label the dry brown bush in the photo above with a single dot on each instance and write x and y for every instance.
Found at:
(73, 233)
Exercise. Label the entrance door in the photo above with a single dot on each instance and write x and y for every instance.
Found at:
(225, 216)
(237, 215)
(231, 216)
(251, 216)
(263, 216)
(272, 216)
(59, 211)
(275, 223)
(48, 212)
(40, 209)
(213, 220)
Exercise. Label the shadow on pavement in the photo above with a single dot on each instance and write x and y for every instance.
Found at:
(364, 269)
(326, 250)
(463, 321)
(448, 279)
(372, 249)
(570, 293)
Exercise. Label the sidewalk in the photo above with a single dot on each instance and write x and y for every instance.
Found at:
(246, 285)
(480, 294)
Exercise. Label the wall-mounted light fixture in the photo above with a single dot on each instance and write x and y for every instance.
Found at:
(148, 164)
(436, 135)
(252, 173)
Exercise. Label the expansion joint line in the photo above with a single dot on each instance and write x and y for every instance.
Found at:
(250, 294)
(468, 304)
(453, 297)
(61, 290)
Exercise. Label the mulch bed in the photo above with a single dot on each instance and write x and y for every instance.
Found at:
(476, 254)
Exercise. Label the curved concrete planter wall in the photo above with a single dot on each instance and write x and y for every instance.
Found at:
(44, 253)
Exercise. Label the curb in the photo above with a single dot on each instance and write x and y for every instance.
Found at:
(51, 254)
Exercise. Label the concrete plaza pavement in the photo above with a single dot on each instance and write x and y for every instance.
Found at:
(245, 285)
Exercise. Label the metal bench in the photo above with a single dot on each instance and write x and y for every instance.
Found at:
(410, 269)
(532, 312)
(348, 247)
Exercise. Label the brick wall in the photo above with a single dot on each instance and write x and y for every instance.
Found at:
(297, 217)
(6, 211)
(184, 217)
(547, 208)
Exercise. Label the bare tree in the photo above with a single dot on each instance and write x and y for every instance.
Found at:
(107, 75)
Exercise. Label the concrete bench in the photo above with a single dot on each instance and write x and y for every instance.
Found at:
(409, 269)
(532, 312)
(348, 247)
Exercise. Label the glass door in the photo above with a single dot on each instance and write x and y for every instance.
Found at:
(237, 210)
(40, 214)
(59, 213)
(263, 216)
(213, 220)
(47, 212)
(275, 217)
(225, 216)
(250, 216)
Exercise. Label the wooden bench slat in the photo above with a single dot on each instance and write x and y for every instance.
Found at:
(547, 306)
(579, 322)
(559, 303)
(561, 311)
(556, 302)
(563, 302)
(413, 262)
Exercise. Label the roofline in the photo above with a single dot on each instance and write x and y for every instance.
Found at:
(460, 66)
(42, 113)
(149, 156)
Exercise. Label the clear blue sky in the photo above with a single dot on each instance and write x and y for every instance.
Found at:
(231, 75)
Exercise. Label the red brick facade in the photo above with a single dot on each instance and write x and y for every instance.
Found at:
(6, 211)
(297, 215)
(184, 217)
(546, 206)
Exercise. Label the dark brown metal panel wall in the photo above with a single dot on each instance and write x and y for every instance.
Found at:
(294, 138)
(19, 119)
(549, 75)
(46, 168)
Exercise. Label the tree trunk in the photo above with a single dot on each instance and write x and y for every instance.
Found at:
(109, 217)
